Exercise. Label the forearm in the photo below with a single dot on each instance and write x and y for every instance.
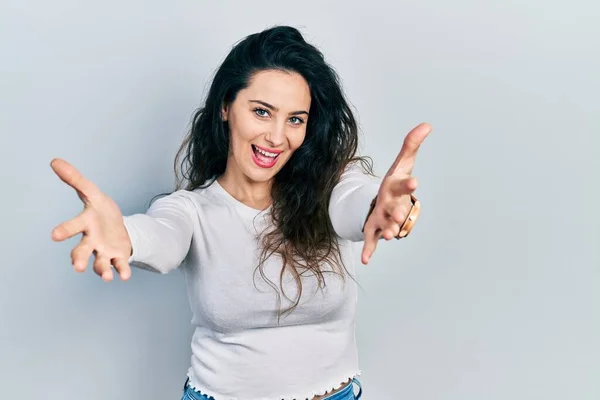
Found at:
(350, 203)
(162, 236)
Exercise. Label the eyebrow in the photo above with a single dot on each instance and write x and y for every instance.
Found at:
(273, 108)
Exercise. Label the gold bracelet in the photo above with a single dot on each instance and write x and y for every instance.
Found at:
(408, 223)
(371, 208)
(411, 218)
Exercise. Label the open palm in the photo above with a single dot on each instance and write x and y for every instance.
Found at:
(394, 196)
(101, 224)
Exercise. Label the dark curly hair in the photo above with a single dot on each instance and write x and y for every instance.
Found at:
(303, 235)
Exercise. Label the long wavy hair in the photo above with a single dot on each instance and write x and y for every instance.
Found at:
(302, 233)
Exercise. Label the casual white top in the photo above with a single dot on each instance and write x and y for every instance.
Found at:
(239, 348)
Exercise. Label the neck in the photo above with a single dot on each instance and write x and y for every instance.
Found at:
(253, 194)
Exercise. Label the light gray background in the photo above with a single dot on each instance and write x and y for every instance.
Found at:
(494, 296)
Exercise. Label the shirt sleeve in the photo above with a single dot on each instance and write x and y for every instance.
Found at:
(350, 201)
(161, 237)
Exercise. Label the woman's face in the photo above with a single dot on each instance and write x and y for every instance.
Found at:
(267, 123)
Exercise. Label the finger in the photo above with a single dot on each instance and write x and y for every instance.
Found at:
(81, 254)
(387, 228)
(72, 177)
(70, 228)
(122, 267)
(391, 232)
(103, 268)
(396, 196)
(371, 239)
(402, 186)
(399, 213)
(405, 161)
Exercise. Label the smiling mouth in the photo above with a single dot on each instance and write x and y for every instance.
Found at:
(264, 158)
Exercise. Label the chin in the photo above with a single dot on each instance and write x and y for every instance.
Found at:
(260, 177)
(258, 174)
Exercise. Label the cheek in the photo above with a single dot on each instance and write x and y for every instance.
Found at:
(239, 138)
(296, 140)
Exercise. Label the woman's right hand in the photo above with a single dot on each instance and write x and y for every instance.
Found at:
(100, 223)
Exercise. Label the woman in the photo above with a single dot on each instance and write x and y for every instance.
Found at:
(274, 195)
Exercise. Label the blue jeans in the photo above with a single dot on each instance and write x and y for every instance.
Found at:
(346, 394)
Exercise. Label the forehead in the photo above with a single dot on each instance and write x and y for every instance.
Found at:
(282, 89)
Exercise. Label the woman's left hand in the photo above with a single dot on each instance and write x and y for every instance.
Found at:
(393, 199)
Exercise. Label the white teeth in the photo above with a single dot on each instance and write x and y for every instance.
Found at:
(266, 153)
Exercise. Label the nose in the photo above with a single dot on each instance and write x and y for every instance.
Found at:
(276, 135)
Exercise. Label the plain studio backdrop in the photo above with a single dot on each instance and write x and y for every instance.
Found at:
(495, 295)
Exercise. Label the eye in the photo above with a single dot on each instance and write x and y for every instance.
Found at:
(296, 121)
(261, 112)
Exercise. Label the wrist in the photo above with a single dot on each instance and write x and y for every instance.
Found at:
(371, 208)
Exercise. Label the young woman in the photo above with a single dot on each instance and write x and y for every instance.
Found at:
(271, 196)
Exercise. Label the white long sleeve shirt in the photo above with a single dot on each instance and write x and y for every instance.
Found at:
(239, 348)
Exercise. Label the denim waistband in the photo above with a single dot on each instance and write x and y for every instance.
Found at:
(346, 393)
